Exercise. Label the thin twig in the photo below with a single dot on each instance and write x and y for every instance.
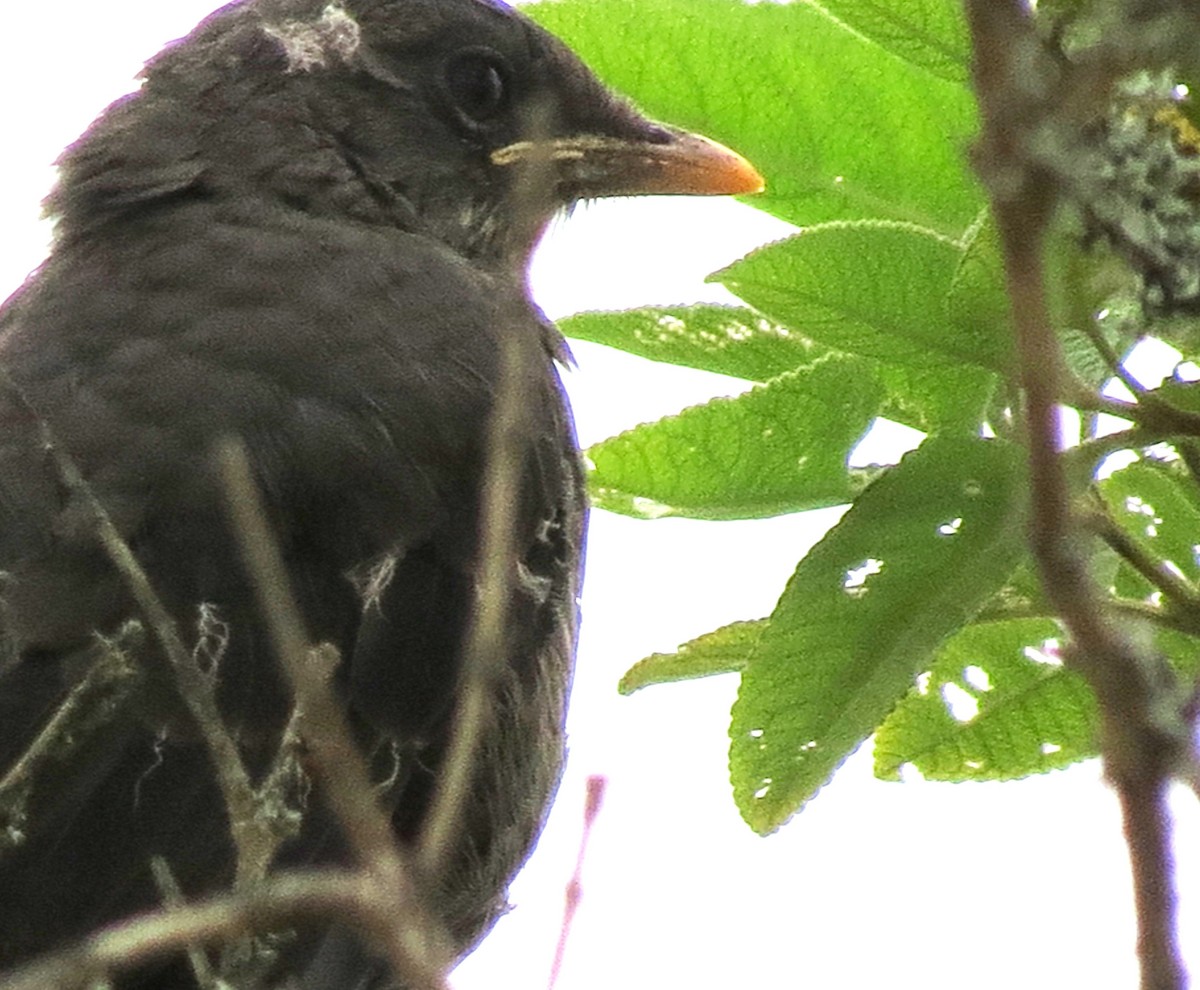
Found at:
(484, 643)
(1189, 451)
(1083, 398)
(279, 902)
(95, 703)
(415, 943)
(1171, 583)
(1154, 416)
(1093, 450)
(591, 811)
(254, 836)
(1172, 617)
(172, 897)
(1111, 358)
(1149, 409)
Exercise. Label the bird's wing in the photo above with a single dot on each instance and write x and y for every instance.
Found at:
(363, 423)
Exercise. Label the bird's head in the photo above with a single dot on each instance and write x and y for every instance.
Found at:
(458, 118)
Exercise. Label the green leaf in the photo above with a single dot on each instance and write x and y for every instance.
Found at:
(1180, 394)
(1180, 650)
(1033, 715)
(734, 340)
(839, 127)
(1084, 361)
(1156, 503)
(976, 300)
(937, 396)
(778, 448)
(914, 558)
(1080, 283)
(722, 651)
(871, 287)
(929, 33)
(729, 340)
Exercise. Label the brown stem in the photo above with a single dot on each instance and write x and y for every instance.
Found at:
(255, 837)
(1018, 87)
(1148, 833)
(172, 897)
(103, 695)
(485, 638)
(416, 946)
(596, 785)
(1178, 589)
(278, 902)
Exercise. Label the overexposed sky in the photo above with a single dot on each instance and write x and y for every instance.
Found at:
(917, 885)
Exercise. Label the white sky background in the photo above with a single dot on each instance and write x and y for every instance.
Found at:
(917, 885)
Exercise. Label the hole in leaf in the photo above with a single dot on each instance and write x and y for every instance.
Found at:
(977, 678)
(1047, 653)
(855, 581)
(962, 705)
(1139, 507)
(648, 508)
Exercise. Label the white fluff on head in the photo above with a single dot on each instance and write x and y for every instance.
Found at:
(309, 44)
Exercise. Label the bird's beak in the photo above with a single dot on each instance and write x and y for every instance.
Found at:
(675, 163)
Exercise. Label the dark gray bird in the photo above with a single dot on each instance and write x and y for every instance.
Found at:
(310, 229)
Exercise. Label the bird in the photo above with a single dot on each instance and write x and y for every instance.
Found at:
(310, 230)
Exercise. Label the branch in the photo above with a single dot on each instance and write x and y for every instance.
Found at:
(255, 833)
(415, 943)
(596, 786)
(99, 699)
(1179, 591)
(172, 896)
(278, 902)
(484, 644)
(1020, 88)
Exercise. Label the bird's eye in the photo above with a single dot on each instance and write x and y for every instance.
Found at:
(477, 81)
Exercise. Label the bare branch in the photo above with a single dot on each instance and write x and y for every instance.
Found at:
(111, 683)
(415, 942)
(484, 644)
(1019, 88)
(1175, 587)
(172, 897)
(254, 834)
(591, 811)
(279, 902)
